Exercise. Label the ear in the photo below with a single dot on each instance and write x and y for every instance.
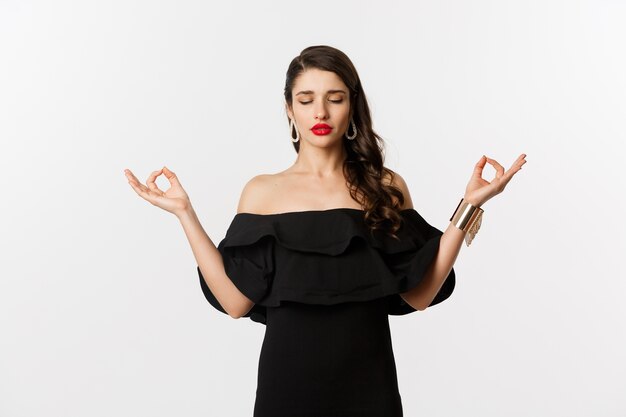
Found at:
(288, 110)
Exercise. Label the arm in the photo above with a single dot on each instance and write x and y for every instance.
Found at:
(210, 261)
(477, 192)
(421, 296)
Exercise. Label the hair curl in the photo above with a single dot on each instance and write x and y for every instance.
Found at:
(364, 165)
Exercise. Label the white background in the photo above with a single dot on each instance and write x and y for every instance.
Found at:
(101, 312)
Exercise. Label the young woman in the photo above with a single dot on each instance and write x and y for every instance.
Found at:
(322, 252)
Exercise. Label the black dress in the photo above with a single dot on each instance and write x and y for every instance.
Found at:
(324, 286)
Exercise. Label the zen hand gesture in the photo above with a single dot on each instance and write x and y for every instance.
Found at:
(478, 190)
(175, 199)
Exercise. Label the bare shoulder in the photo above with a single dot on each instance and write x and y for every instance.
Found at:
(396, 180)
(255, 194)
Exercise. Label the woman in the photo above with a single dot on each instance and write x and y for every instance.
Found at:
(322, 252)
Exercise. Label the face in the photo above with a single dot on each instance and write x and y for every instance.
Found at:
(320, 97)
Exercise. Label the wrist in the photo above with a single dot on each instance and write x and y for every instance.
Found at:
(473, 202)
(467, 217)
(185, 213)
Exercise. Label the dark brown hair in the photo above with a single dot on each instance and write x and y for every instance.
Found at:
(364, 166)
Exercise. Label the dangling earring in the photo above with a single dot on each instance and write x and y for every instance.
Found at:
(353, 129)
(291, 125)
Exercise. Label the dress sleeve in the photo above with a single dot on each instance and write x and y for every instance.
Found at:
(411, 266)
(250, 266)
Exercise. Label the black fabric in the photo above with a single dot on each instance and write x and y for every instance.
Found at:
(328, 361)
(325, 287)
(326, 257)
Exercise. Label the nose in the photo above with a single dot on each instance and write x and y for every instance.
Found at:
(320, 112)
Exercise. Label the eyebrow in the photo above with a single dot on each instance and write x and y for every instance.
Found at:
(329, 91)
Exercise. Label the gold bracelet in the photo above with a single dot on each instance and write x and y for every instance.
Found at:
(467, 218)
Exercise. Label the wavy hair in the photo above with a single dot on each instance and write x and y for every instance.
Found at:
(363, 167)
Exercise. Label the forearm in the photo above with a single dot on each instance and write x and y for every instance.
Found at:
(211, 264)
(424, 293)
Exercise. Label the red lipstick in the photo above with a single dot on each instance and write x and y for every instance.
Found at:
(321, 129)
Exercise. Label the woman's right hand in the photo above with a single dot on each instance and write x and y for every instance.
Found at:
(175, 199)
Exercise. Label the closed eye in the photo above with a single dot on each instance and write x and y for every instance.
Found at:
(332, 101)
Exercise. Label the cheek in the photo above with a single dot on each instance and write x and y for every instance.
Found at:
(342, 111)
(301, 112)
(345, 113)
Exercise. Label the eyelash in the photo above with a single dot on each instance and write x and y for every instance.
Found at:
(332, 101)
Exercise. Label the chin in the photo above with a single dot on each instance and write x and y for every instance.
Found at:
(324, 141)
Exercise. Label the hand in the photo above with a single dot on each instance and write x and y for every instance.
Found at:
(175, 199)
(478, 190)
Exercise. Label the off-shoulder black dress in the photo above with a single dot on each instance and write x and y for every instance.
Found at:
(324, 286)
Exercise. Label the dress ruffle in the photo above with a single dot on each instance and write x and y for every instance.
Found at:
(326, 257)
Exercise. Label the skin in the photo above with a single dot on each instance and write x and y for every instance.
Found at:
(314, 182)
(314, 103)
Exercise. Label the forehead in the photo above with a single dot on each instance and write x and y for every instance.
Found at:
(318, 81)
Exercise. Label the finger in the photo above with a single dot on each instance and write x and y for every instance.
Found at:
(516, 166)
(141, 190)
(129, 174)
(152, 184)
(499, 168)
(134, 182)
(172, 178)
(520, 160)
(478, 168)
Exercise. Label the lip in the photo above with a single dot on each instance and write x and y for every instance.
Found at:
(321, 129)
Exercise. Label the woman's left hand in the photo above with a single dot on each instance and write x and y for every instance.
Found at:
(478, 190)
